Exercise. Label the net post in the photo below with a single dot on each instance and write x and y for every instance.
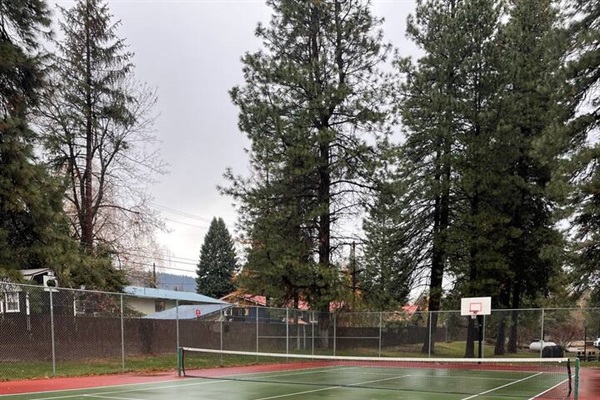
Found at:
(576, 391)
(180, 371)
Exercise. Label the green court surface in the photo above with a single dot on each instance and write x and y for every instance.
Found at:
(350, 383)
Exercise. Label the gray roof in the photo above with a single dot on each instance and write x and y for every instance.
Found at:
(189, 311)
(30, 273)
(170, 295)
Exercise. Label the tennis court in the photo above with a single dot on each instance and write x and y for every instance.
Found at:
(276, 376)
(388, 377)
(265, 385)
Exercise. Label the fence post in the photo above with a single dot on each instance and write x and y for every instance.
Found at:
(177, 340)
(52, 333)
(287, 330)
(542, 334)
(429, 344)
(380, 328)
(297, 322)
(483, 339)
(312, 334)
(122, 336)
(221, 319)
(334, 333)
(257, 331)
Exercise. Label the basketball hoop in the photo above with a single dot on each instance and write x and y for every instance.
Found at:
(475, 308)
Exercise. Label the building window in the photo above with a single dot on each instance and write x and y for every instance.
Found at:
(12, 302)
(159, 305)
(9, 298)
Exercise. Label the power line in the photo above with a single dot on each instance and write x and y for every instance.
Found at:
(178, 212)
(188, 261)
(185, 223)
(163, 267)
(169, 257)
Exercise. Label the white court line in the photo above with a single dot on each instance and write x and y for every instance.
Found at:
(500, 387)
(483, 378)
(331, 388)
(110, 397)
(130, 390)
(546, 391)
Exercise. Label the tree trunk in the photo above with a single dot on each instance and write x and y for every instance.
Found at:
(87, 225)
(513, 339)
(324, 322)
(441, 222)
(501, 337)
(500, 348)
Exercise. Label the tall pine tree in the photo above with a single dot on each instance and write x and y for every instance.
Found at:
(434, 96)
(531, 108)
(478, 107)
(312, 105)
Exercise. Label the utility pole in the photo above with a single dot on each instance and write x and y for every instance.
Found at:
(154, 275)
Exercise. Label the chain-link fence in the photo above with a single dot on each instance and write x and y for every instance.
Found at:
(56, 331)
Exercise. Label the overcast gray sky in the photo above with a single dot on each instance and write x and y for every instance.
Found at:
(190, 51)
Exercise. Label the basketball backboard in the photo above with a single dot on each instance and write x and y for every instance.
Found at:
(474, 306)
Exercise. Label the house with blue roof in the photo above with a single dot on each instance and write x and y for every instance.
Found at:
(192, 311)
(151, 300)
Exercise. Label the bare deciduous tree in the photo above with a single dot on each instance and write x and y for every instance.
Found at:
(97, 120)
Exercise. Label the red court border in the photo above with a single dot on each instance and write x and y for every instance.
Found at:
(589, 382)
(83, 382)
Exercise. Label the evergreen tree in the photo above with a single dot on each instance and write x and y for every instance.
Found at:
(531, 108)
(435, 97)
(310, 102)
(478, 107)
(33, 228)
(584, 123)
(478, 228)
(389, 273)
(217, 264)
(281, 272)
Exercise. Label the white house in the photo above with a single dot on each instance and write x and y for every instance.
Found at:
(10, 301)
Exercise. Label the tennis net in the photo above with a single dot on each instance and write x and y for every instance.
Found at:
(547, 378)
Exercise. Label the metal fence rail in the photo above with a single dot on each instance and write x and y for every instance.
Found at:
(60, 331)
